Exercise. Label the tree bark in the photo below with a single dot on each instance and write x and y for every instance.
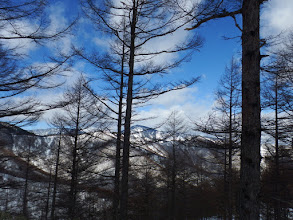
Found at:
(48, 196)
(56, 178)
(230, 195)
(74, 171)
(277, 211)
(173, 189)
(25, 194)
(126, 143)
(226, 187)
(118, 143)
(251, 129)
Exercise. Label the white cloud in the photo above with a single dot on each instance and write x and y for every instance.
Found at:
(56, 17)
(166, 43)
(24, 27)
(184, 101)
(52, 96)
(58, 22)
(60, 75)
(176, 97)
(156, 44)
(278, 16)
(102, 42)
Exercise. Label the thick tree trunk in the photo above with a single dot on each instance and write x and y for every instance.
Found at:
(126, 143)
(251, 130)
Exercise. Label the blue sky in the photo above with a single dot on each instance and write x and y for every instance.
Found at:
(209, 62)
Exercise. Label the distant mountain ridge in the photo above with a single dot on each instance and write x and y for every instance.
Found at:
(149, 148)
(45, 131)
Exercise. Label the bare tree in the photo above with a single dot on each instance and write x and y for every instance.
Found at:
(224, 125)
(277, 96)
(144, 22)
(108, 65)
(56, 123)
(18, 75)
(251, 130)
(81, 115)
(228, 97)
(174, 126)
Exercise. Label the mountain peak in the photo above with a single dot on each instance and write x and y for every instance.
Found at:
(142, 128)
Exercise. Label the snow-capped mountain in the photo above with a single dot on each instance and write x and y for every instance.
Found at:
(46, 131)
(30, 156)
(143, 131)
(145, 141)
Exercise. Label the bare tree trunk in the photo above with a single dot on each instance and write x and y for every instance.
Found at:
(55, 180)
(225, 183)
(74, 165)
(147, 211)
(6, 199)
(25, 194)
(48, 196)
(251, 130)
(126, 143)
(173, 183)
(230, 195)
(118, 144)
(277, 205)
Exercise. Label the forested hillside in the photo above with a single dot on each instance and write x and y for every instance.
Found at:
(146, 109)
